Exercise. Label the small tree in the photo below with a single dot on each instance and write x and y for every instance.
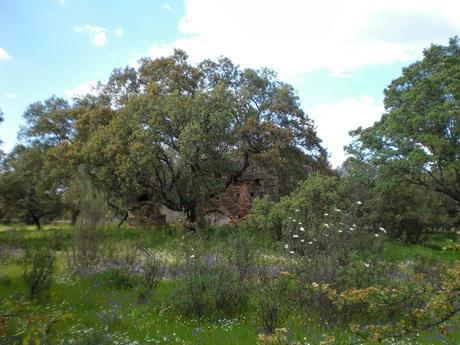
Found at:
(27, 187)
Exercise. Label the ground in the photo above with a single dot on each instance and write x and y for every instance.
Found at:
(95, 310)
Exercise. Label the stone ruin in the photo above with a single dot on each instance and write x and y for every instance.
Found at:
(230, 207)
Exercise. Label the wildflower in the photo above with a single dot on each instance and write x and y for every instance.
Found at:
(286, 246)
(366, 264)
(376, 235)
(310, 242)
(326, 214)
(302, 228)
(337, 210)
(302, 241)
(351, 229)
(192, 256)
(295, 236)
(297, 210)
(292, 252)
(326, 225)
(383, 230)
(340, 231)
(359, 202)
(315, 284)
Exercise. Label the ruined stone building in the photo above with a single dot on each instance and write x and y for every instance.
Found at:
(230, 207)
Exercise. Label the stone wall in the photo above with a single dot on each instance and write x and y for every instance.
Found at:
(228, 208)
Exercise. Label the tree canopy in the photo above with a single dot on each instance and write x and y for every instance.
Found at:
(417, 140)
(178, 133)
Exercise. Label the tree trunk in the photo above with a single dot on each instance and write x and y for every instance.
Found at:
(37, 222)
(75, 213)
(123, 219)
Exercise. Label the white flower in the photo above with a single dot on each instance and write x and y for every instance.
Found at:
(302, 241)
(326, 214)
(376, 235)
(383, 230)
(366, 264)
(286, 246)
(354, 225)
(300, 223)
(326, 225)
(192, 256)
(292, 252)
(297, 210)
(302, 228)
(337, 210)
(351, 229)
(359, 202)
(340, 231)
(295, 236)
(310, 242)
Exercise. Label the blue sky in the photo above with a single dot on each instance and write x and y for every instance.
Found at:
(339, 55)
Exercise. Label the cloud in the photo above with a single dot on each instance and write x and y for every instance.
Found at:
(118, 31)
(4, 55)
(97, 34)
(167, 7)
(81, 90)
(9, 95)
(295, 37)
(60, 2)
(335, 120)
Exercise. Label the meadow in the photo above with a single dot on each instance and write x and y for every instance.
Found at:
(225, 285)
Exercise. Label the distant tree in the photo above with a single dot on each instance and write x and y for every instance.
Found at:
(417, 140)
(405, 210)
(27, 189)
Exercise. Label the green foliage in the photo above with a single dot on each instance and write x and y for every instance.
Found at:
(27, 187)
(417, 138)
(207, 289)
(39, 264)
(271, 301)
(121, 278)
(88, 236)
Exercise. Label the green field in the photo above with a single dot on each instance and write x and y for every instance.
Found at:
(99, 307)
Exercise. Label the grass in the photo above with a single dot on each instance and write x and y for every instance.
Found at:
(101, 313)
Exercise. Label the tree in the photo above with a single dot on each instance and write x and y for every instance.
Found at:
(180, 134)
(27, 189)
(417, 140)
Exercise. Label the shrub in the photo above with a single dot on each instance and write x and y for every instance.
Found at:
(38, 271)
(241, 254)
(207, 289)
(88, 236)
(120, 278)
(270, 301)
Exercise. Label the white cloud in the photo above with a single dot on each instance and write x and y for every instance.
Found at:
(60, 2)
(97, 34)
(118, 31)
(9, 95)
(167, 7)
(295, 37)
(81, 90)
(4, 55)
(335, 120)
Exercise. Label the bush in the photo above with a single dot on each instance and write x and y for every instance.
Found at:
(120, 278)
(38, 271)
(207, 289)
(87, 231)
(271, 301)
(241, 254)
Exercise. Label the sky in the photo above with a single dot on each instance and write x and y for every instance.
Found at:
(339, 55)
